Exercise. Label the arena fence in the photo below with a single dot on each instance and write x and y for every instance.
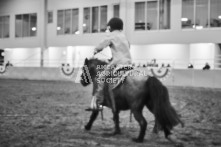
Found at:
(169, 76)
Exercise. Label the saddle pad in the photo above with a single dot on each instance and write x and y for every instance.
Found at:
(118, 80)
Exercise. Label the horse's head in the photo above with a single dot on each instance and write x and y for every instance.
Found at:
(89, 70)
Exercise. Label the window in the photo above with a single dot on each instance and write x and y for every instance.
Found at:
(201, 20)
(87, 20)
(164, 10)
(201, 14)
(18, 26)
(67, 21)
(75, 21)
(26, 25)
(4, 26)
(60, 22)
(187, 14)
(140, 16)
(152, 15)
(95, 19)
(50, 17)
(103, 22)
(116, 10)
(33, 24)
(215, 13)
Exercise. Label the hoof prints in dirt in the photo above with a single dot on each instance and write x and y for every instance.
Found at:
(39, 113)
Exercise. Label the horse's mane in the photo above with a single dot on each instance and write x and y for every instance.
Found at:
(98, 61)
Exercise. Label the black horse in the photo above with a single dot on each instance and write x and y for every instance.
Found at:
(133, 94)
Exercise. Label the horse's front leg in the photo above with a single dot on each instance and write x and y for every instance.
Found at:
(94, 115)
(116, 122)
(115, 113)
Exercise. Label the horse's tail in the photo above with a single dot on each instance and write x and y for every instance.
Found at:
(163, 110)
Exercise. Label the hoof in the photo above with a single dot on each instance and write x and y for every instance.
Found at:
(87, 128)
(137, 140)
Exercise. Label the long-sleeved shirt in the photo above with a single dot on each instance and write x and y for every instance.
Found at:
(119, 45)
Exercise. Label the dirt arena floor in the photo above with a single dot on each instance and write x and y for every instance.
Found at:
(51, 114)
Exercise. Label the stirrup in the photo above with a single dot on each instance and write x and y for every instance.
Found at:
(94, 105)
(100, 108)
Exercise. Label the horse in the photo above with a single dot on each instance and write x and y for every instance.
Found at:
(134, 93)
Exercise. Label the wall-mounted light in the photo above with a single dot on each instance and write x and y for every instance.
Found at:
(84, 25)
(34, 29)
(77, 32)
(199, 27)
(219, 17)
(58, 28)
(3, 54)
(184, 19)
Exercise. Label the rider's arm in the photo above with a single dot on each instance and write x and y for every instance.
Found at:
(103, 44)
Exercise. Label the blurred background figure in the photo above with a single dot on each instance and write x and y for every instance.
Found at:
(206, 67)
(190, 65)
(154, 63)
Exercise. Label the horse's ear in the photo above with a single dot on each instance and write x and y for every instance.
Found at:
(86, 61)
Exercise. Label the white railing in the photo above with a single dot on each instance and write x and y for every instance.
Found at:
(176, 64)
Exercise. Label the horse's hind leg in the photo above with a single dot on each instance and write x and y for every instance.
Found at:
(156, 127)
(143, 125)
(93, 116)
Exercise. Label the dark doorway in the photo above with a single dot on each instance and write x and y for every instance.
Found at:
(2, 57)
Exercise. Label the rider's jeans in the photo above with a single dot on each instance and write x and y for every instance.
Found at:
(99, 94)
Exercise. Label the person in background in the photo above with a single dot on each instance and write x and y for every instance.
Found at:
(168, 65)
(206, 67)
(190, 65)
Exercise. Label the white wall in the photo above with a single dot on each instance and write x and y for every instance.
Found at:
(56, 56)
(202, 53)
(217, 57)
(74, 55)
(177, 55)
(23, 57)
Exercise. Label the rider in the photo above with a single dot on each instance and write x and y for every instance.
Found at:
(119, 46)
